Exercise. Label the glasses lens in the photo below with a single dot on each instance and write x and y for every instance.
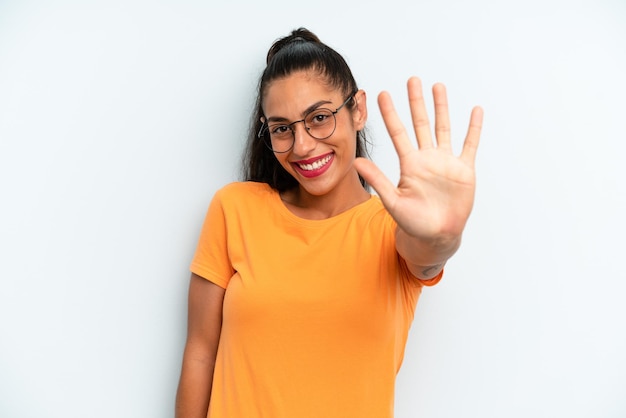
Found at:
(280, 137)
(320, 123)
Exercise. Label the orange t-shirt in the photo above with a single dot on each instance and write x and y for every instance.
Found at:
(316, 312)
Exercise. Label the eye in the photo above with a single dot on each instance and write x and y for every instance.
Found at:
(279, 130)
(319, 117)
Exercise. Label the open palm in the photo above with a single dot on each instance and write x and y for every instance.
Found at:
(435, 193)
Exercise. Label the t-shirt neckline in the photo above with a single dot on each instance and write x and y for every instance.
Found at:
(284, 211)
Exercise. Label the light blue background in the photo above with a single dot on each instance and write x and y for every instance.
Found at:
(119, 120)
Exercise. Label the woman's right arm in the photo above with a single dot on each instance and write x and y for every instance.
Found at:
(203, 335)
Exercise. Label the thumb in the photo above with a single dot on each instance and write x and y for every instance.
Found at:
(375, 177)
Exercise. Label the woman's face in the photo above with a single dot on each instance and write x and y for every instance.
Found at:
(319, 166)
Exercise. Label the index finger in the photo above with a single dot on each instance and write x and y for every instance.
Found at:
(394, 125)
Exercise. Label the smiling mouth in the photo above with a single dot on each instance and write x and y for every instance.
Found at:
(316, 165)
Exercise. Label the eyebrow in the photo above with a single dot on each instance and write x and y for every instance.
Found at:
(303, 114)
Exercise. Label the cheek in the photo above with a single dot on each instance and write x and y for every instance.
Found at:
(350, 142)
(282, 160)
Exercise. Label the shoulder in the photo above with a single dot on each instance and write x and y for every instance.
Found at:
(242, 195)
(375, 211)
(245, 189)
(376, 205)
(368, 222)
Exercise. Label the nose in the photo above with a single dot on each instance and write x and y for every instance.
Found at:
(303, 142)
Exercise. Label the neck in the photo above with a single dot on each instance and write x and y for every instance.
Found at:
(314, 207)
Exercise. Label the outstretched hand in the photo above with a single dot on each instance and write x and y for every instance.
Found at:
(435, 194)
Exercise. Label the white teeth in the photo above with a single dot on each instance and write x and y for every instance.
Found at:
(317, 164)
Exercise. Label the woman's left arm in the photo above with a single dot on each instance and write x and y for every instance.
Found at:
(435, 194)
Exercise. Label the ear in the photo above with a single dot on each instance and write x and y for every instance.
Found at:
(359, 112)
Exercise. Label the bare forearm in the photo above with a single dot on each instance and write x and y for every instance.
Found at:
(203, 334)
(194, 388)
(426, 258)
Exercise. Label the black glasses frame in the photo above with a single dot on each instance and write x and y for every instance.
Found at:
(266, 136)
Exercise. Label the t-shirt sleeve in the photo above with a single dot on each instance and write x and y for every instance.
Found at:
(422, 282)
(211, 260)
(433, 281)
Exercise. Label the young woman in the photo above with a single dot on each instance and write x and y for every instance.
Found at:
(304, 284)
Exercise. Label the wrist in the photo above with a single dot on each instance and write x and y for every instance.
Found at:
(428, 255)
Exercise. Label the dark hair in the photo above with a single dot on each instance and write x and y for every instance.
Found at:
(301, 50)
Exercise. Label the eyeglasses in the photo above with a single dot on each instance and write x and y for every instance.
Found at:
(319, 123)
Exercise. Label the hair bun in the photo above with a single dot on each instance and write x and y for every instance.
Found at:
(302, 34)
(297, 35)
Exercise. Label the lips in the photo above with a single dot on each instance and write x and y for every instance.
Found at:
(314, 167)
